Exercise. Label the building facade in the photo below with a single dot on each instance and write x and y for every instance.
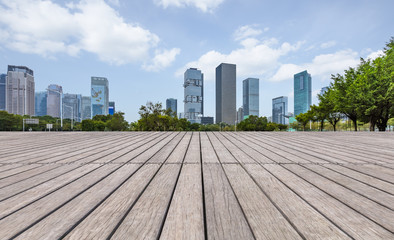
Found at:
(206, 120)
(279, 110)
(111, 108)
(302, 92)
(240, 114)
(100, 96)
(226, 93)
(193, 95)
(323, 90)
(41, 103)
(250, 97)
(2, 91)
(172, 103)
(54, 100)
(86, 108)
(72, 106)
(20, 90)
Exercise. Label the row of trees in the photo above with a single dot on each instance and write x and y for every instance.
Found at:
(108, 122)
(362, 94)
(254, 123)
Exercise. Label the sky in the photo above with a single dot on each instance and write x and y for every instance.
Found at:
(143, 47)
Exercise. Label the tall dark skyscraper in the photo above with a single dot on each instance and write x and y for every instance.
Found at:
(226, 98)
(111, 108)
(20, 90)
(302, 92)
(2, 91)
(251, 97)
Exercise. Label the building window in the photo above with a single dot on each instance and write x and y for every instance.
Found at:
(301, 82)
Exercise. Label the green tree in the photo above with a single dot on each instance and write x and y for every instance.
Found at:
(117, 122)
(303, 119)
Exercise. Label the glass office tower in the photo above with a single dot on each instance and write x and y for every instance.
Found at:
(194, 93)
(279, 109)
(54, 100)
(72, 106)
(41, 103)
(2, 91)
(302, 92)
(20, 90)
(100, 96)
(172, 103)
(250, 97)
(226, 99)
(86, 108)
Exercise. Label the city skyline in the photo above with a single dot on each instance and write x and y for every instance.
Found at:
(269, 41)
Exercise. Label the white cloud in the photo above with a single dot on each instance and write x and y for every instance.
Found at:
(328, 44)
(374, 55)
(247, 31)
(203, 5)
(114, 2)
(322, 66)
(46, 28)
(162, 60)
(253, 58)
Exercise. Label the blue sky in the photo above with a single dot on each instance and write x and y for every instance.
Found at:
(143, 47)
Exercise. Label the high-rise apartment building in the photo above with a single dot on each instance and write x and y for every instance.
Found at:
(41, 103)
(100, 96)
(302, 92)
(111, 108)
(279, 109)
(54, 100)
(86, 108)
(250, 97)
(2, 91)
(226, 93)
(72, 106)
(194, 93)
(20, 90)
(172, 103)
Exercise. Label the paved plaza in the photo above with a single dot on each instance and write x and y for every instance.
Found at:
(196, 185)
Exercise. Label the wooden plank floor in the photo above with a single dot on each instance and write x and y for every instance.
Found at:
(196, 185)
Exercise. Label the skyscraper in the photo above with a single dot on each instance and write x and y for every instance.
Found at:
(72, 106)
(2, 91)
(251, 97)
(172, 103)
(226, 93)
(100, 96)
(54, 99)
(240, 114)
(194, 93)
(279, 110)
(86, 108)
(302, 92)
(41, 103)
(20, 90)
(323, 90)
(111, 108)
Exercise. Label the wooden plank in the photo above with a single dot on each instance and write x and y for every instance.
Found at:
(374, 194)
(224, 216)
(14, 223)
(377, 183)
(207, 152)
(56, 224)
(185, 219)
(368, 208)
(13, 203)
(264, 218)
(111, 211)
(194, 154)
(147, 215)
(352, 222)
